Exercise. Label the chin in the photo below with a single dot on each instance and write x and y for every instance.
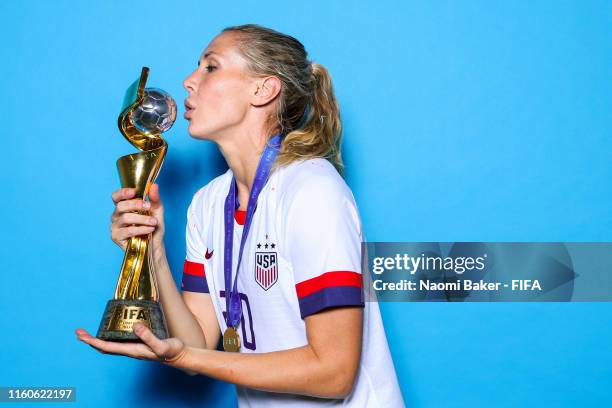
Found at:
(201, 134)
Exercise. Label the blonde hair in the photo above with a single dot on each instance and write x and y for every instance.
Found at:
(308, 114)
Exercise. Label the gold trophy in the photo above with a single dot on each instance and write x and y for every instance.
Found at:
(146, 114)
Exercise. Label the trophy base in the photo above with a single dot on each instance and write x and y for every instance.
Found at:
(120, 316)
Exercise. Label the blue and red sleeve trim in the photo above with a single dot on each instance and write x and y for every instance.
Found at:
(194, 277)
(331, 289)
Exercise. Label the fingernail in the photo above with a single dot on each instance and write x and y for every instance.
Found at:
(146, 205)
(153, 221)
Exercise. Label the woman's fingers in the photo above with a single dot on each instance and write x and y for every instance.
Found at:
(121, 234)
(127, 219)
(123, 194)
(155, 200)
(154, 194)
(131, 205)
(168, 350)
(129, 225)
(135, 216)
(131, 349)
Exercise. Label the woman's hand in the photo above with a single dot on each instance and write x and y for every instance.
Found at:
(127, 222)
(169, 351)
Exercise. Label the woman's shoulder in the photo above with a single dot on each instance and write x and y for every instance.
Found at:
(315, 177)
(308, 169)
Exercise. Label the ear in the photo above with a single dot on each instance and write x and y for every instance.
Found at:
(265, 90)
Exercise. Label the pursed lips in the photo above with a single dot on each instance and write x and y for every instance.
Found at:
(188, 109)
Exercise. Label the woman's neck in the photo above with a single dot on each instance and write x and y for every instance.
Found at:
(242, 155)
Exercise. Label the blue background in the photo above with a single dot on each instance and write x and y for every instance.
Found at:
(471, 120)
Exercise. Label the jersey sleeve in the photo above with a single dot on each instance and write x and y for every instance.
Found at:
(194, 272)
(323, 237)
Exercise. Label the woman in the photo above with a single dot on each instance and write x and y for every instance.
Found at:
(294, 307)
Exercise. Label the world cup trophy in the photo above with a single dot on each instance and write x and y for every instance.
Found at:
(146, 114)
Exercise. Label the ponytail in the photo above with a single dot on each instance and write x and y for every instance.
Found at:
(320, 133)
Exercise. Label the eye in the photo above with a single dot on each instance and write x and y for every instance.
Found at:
(210, 68)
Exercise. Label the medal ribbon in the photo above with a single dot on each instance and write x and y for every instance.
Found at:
(233, 304)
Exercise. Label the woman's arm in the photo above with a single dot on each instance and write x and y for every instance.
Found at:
(191, 317)
(325, 367)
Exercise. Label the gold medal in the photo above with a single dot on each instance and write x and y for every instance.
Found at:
(231, 340)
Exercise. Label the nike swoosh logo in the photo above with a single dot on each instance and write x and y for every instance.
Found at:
(208, 254)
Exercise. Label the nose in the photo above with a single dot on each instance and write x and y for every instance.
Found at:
(190, 83)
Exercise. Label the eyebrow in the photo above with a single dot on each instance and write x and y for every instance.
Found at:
(206, 56)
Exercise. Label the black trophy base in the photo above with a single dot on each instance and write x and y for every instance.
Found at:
(120, 316)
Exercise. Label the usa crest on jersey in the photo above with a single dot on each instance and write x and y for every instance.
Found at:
(266, 269)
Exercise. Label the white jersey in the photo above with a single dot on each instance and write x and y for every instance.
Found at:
(302, 255)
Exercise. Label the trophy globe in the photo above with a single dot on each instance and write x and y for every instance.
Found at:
(156, 113)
